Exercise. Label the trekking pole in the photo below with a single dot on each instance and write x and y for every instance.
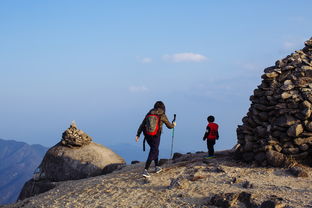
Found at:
(174, 118)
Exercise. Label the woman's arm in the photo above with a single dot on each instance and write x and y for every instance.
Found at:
(164, 119)
(141, 128)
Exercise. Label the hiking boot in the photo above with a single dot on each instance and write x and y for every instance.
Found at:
(146, 174)
(209, 157)
(158, 169)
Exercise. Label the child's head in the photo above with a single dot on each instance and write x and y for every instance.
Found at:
(210, 119)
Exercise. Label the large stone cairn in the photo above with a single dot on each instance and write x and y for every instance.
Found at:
(74, 137)
(277, 129)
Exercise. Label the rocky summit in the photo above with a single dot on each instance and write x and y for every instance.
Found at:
(66, 161)
(187, 181)
(278, 126)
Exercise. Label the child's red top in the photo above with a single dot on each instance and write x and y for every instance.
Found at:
(213, 131)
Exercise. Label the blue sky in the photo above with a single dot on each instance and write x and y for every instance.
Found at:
(105, 63)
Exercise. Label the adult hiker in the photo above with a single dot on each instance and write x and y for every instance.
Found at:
(211, 134)
(151, 127)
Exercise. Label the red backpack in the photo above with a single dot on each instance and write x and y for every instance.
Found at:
(152, 124)
(213, 133)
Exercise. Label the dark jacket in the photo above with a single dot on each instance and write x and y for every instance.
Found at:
(163, 119)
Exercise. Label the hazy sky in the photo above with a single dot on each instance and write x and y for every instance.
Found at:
(105, 63)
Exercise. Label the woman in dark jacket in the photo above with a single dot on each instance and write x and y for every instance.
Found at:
(154, 140)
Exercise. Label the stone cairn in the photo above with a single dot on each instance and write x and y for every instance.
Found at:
(74, 137)
(277, 129)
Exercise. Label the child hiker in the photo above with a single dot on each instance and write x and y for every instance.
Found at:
(211, 135)
(151, 127)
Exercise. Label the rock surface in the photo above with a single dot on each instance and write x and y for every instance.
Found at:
(66, 161)
(278, 125)
(193, 183)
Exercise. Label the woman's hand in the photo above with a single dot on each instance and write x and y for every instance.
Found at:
(137, 138)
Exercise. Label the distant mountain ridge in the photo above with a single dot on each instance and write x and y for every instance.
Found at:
(18, 160)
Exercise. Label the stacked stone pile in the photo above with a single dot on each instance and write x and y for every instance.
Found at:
(278, 126)
(74, 137)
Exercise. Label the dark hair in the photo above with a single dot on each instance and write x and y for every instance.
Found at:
(211, 118)
(161, 105)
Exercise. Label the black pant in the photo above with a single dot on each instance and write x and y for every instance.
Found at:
(210, 144)
(153, 142)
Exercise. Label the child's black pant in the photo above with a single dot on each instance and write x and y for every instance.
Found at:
(210, 144)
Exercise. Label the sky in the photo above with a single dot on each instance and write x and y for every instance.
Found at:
(105, 63)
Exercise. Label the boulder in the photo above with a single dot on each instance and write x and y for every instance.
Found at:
(299, 141)
(33, 188)
(291, 151)
(298, 171)
(112, 167)
(271, 74)
(248, 156)
(176, 155)
(288, 85)
(275, 158)
(64, 163)
(304, 147)
(277, 147)
(272, 204)
(295, 130)
(242, 199)
(261, 131)
(224, 199)
(285, 121)
(163, 162)
(247, 185)
(247, 199)
(260, 156)
(74, 157)
(308, 126)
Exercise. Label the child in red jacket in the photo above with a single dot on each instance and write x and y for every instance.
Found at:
(211, 135)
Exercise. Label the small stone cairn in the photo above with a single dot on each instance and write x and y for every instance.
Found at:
(277, 129)
(74, 137)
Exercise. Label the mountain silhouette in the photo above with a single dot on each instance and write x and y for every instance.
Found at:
(18, 161)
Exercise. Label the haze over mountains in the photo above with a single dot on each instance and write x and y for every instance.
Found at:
(18, 161)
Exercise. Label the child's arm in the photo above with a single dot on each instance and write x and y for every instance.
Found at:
(206, 133)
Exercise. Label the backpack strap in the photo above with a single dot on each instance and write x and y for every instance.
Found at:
(144, 145)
